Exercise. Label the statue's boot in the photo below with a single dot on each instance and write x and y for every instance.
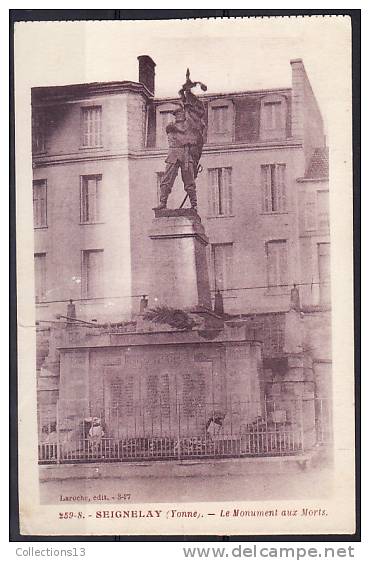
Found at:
(161, 206)
(162, 200)
(193, 199)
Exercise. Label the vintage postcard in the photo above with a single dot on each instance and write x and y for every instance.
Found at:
(184, 263)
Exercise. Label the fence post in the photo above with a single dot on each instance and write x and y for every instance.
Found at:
(58, 432)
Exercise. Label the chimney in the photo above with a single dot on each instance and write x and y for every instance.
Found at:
(146, 72)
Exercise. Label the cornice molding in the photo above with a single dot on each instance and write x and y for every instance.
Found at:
(52, 159)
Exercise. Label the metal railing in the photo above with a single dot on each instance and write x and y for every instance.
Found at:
(272, 429)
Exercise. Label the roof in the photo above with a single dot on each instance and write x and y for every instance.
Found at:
(318, 167)
(61, 94)
(82, 91)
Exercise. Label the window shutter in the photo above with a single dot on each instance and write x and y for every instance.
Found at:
(88, 126)
(36, 208)
(266, 187)
(227, 191)
(281, 189)
(274, 189)
(212, 192)
(92, 198)
(42, 207)
(97, 126)
(83, 198)
(84, 127)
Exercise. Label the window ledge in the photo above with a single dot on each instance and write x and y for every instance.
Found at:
(273, 212)
(40, 227)
(221, 216)
(90, 223)
(227, 297)
(100, 147)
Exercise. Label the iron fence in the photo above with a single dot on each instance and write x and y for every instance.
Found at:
(270, 428)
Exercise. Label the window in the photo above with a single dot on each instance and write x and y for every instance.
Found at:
(273, 117)
(273, 188)
(323, 209)
(277, 265)
(90, 198)
(92, 273)
(40, 203)
(40, 277)
(222, 265)
(220, 119)
(220, 192)
(323, 250)
(165, 117)
(91, 118)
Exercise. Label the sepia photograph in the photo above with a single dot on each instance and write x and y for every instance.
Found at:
(177, 289)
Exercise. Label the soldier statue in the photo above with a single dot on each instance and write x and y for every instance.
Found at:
(185, 139)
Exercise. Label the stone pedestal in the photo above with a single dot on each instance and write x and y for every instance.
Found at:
(180, 272)
(160, 384)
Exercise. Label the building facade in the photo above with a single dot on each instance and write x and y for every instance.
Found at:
(99, 150)
(263, 197)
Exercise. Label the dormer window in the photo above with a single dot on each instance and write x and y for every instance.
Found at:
(91, 127)
(273, 117)
(164, 116)
(220, 121)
